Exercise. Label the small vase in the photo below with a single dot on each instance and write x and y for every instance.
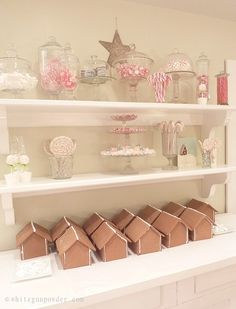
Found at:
(25, 177)
(206, 159)
(12, 178)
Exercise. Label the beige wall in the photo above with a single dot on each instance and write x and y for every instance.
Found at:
(155, 31)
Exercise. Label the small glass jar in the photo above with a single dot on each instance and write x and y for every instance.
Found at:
(50, 66)
(95, 71)
(61, 166)
(206, 159)
(16, 75)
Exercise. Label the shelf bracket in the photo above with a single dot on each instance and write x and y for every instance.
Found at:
(210, 121)
(209, 182)
(8, 209)
(4, 135)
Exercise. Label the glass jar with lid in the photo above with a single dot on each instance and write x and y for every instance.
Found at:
(132, 67)
(95, 71)
(69, 72)
(50, 66)
(180, 67)
(16, 75)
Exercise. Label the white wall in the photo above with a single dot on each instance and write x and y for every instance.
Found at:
(155, 31)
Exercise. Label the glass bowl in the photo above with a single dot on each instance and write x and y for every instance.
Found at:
(16, 74)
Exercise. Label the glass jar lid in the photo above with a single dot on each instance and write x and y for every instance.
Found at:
(51, 43)
(178, 62)
(133, 56)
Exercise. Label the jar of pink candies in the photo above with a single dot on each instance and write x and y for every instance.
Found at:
(132, 67)
(50, 66)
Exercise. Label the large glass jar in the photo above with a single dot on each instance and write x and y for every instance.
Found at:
(16, 75)
(95, 71)
(50, 66)
(132, 67)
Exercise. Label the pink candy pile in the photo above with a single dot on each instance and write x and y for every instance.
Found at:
(57, 76)
(132, 71)
(159, 81)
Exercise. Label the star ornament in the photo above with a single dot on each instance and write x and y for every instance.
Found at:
(116, 48)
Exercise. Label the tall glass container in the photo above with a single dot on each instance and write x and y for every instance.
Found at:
(69, 73)
(50, 66)
(202, 79)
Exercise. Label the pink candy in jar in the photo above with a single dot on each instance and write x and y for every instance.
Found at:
(222, 88)
(135, 71)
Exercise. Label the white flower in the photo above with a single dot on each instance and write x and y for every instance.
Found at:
(12, 160)
(24, 160)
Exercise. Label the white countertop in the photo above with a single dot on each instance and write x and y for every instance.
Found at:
(103, 281)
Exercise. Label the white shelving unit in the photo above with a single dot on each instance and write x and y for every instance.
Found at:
(105, 281)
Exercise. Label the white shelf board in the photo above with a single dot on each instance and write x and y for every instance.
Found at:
(82, 182)
(20, 112)
(104, 281)
(97, 181)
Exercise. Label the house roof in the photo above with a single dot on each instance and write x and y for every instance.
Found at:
(200, 206)
(149, 213)
(166, 222)
(61, 226)
(193, 217)
(104, 234)
(122, 219)
(93, 222)
(174, 209)
(138, 228)
(29, 229)
(70, 237)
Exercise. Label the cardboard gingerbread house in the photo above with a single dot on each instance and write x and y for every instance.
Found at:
(122, 219)
(33, 241)
(110, 242)
(200, 225)
(92, 223)
(174, 229)
(205, 208)
(149, 213)
(61, 226)
(74, 248)
(174, 209)
(144, 238)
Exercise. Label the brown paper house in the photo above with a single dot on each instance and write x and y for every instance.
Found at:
(74, 248)
(122, 219)
(110, 242)
(92, 223)
(174, 229)
(33, 241)
(205, 208)
(61, 226)
(200, 226)
(145, 238)
(174, 209)
(149, 213)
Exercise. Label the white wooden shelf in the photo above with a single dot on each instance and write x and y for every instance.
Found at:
(104, 281)
(42, 186)
(48, 113)
(29, 113)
